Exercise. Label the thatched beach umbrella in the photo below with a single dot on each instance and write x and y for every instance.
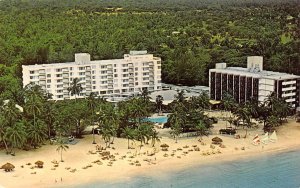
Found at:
(164, 145)
(217, 140)
(105, 153)
(39, 164)
(8, 167)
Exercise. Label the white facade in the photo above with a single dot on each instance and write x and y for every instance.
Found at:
(108, 78)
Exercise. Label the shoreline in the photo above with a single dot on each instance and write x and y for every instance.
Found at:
(78, 156)
(179, 167)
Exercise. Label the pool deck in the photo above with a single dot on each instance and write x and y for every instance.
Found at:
(156, 115)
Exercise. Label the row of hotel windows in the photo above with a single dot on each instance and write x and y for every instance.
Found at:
(94, 77)
(110, 92)
(94, 67)
(102, 71)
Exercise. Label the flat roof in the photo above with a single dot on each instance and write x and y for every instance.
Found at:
(258, 74)
(66, 64)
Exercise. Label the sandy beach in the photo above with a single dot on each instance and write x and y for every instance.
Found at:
(82, 164)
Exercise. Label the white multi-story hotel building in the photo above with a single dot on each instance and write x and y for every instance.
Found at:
(253, 82)
(107, 78)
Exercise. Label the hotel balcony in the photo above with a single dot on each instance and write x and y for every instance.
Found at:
(42, 71)
(110, 87)
(109, 72)
(42, 77)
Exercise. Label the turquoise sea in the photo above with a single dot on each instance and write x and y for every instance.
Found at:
(281, 170)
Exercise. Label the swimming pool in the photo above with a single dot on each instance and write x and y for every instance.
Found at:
(162, 119)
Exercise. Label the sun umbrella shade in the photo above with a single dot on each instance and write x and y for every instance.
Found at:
(217, 139)
(105, 153)
(164, 145)
(39, 164)
(8, 167)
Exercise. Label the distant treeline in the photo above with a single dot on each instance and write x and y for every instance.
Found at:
(153, 5)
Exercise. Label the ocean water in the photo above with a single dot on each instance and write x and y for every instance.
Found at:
(280, 170)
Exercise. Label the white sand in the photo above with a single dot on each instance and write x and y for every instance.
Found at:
(77, 157)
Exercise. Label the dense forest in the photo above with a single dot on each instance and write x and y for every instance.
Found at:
(190, 36)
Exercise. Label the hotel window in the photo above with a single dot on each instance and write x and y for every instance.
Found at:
(136, 68)
(48, 75)
(94, 82)
(93, 72)
(93, 77)
(115, 65)
(103, 72)
(31, 72)
(81, 68)
(58, 70)
(48, 81)
(115, 70)
(158, 62)
(31, 77)
(94, 87)
(116, 75)
(48, 86)
(159, 67)
(136, 74)
(71, 68)
(60, 96)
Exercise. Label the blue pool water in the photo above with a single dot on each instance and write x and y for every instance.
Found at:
(162, 119)
(270, 171)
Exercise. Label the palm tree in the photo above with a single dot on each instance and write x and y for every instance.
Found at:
(34, 106)
(228, 103)
(37, 133)
(175, 121)
(75, 88)
(154, 137)
(11, 113)
(159, 101)
(49, 116)
(16, 135)
(180, 96)
(91, 103)
(201, 128)
(3, 129)
(128, 133)
(145, 94)
(61, 147)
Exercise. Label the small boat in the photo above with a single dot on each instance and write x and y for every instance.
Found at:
(256, 140)
(265, 138)
(273, 137)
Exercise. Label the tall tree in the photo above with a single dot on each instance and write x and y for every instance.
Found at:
(75, 88)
